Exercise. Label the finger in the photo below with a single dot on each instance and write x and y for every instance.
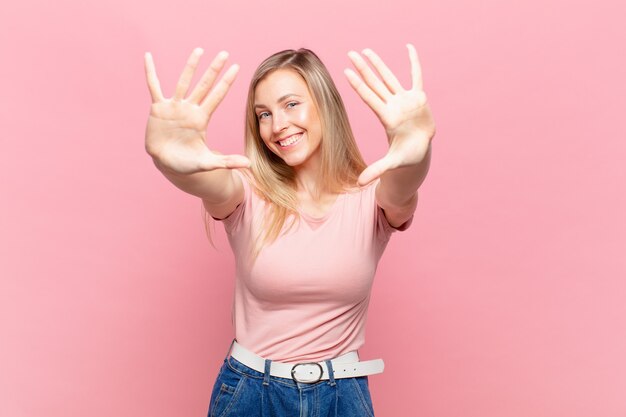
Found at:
(215, 97)
(211, 161)
(208, 78)
(374, 171)
(367, 95)
(416, 69)
(151, 77)
(388, 77)
(368, 75)
(187, 74)
(235, 161)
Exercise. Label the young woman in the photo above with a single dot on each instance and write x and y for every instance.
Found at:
(307, 220)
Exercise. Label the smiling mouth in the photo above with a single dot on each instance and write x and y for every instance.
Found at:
(291, 140)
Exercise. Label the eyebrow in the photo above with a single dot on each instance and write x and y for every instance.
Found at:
(283, 98)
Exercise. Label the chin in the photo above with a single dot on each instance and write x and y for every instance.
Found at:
(292, 163)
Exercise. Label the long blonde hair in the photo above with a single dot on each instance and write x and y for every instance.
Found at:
(340, 159)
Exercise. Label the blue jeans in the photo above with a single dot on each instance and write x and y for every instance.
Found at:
(240, 391)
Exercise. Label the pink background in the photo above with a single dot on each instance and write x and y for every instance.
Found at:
(505, 298)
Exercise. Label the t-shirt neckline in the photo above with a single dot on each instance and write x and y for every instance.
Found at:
(325, 217)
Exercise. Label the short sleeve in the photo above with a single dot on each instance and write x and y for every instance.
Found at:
(234, 219)
(388, 227)
(384, 229)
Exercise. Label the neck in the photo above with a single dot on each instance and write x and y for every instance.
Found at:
(307, 178)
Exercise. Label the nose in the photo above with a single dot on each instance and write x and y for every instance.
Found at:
(279, 122)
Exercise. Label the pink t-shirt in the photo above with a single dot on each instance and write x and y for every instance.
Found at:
(306, 296)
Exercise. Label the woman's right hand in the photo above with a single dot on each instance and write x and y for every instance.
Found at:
(176, 130)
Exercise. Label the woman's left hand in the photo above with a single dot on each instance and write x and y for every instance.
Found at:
(404, 114)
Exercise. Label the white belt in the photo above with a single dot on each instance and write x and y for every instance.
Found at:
(344, 366)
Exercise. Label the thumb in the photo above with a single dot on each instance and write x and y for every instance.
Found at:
(374, 171)
(209, 161)
(234, 161)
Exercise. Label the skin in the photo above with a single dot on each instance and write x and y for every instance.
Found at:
(284, 107)
(176, 133)
(410, 128)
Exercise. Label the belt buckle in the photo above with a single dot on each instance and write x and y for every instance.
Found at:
(293, 372)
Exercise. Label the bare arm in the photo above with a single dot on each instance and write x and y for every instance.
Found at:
(410, 128)
(175, 136)
(220, 190)
(397, 191)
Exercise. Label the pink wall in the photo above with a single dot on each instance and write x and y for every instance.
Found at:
(505, 298)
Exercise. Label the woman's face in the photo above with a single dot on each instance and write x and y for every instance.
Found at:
(288, 119)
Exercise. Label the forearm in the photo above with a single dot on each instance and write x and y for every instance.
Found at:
(398, 187)
(213, 187)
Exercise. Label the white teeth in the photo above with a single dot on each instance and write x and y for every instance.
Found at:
(290, 140)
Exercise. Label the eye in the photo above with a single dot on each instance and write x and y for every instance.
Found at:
(263, 115)
(292, 104)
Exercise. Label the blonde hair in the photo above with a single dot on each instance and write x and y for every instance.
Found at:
(340, 159)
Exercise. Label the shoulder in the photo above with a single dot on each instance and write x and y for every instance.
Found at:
(386, 220)
(397, 218)
(242, 184)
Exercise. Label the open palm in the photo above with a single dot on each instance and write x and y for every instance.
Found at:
(404, 113)
(176, 129)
